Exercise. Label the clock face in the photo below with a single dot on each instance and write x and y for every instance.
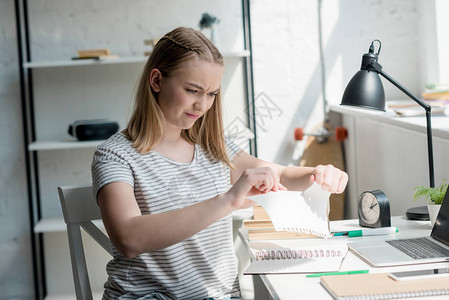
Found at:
(369, 208)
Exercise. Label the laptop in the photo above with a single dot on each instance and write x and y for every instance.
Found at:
(428, 249)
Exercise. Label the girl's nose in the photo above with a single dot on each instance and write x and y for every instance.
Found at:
(200, 104)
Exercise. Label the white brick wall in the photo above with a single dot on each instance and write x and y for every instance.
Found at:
(286, 58)
(16, 280)
(64, 26)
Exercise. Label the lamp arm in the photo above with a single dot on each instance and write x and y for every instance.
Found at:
(405, 91)
(427, 107)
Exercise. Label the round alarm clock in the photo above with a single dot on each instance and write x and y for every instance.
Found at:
(374, 209)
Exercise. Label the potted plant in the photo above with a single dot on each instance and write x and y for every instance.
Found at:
(434, 196)
(211, 22)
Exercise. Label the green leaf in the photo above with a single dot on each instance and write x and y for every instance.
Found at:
(435, 195)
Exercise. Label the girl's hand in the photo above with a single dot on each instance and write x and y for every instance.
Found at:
(330, 178)
(253, 182)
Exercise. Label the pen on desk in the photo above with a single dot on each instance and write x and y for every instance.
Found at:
(338, 273)
(365, 232)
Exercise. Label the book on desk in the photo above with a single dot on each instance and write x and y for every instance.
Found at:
(382, 286)
(288, 216)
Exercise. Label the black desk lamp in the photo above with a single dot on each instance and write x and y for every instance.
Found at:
(365, 90)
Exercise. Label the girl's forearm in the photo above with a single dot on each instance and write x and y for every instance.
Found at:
(153, 232)
(296, 178)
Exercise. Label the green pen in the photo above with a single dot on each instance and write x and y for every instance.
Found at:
(338, 273)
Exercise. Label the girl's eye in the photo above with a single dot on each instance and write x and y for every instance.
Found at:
(213, 94)
(192, 91)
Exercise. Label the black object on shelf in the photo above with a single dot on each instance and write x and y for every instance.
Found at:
(89, 130)
(418, 213)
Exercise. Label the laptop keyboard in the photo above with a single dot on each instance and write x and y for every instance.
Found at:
(419, 248)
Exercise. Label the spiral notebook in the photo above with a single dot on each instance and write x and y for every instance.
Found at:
(381, 286)
(296, 256)
(303, 212)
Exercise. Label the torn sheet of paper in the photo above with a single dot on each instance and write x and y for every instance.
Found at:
(304, 212)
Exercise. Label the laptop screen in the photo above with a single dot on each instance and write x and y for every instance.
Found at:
(440, 230)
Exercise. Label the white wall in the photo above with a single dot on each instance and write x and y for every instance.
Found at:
(16, 279)
(122, 27)
(286, 58)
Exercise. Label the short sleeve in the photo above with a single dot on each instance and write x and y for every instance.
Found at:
(232, 148)
(109, 166)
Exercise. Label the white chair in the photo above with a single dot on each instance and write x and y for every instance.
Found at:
(80, 209)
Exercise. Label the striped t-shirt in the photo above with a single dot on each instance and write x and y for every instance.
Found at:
(201, 266)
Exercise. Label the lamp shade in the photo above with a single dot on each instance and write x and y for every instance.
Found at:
(365, 90)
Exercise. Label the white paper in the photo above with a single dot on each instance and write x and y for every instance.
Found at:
(297, 211)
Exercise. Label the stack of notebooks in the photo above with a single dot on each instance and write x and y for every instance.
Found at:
(260, 227)
(436, 91)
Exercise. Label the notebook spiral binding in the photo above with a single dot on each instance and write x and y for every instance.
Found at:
(277, 254)
(439, 292)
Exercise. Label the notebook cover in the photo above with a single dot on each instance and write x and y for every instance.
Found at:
(381, 286)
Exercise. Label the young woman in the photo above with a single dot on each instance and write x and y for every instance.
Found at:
(168, 183)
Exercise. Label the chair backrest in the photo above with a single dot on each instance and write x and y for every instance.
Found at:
(80, 209)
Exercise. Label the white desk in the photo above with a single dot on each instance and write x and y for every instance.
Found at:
(297, 286)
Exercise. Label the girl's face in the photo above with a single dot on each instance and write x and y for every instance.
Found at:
(188, 93)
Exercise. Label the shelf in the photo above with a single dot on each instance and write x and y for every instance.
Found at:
(440, 123)
(83, 62)
(61, 145)
(46, 225)
(121, 60)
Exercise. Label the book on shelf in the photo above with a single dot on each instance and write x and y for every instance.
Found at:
(99, 54)
(419, 111)
(437, 87)
(436, 96)
(436, 91)
(382, 286)
(151, 42)
(409, 108)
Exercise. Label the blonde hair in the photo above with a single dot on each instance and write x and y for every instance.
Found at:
(145, 126)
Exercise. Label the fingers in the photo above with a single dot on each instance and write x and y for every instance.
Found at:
(252, 182)
(281, 187)
(262, 179)
(266, 179)
(330, 178)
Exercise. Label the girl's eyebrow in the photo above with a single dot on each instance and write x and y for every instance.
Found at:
(199, 86)
(195, 85)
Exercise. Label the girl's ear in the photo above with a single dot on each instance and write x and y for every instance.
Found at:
(155, 80)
